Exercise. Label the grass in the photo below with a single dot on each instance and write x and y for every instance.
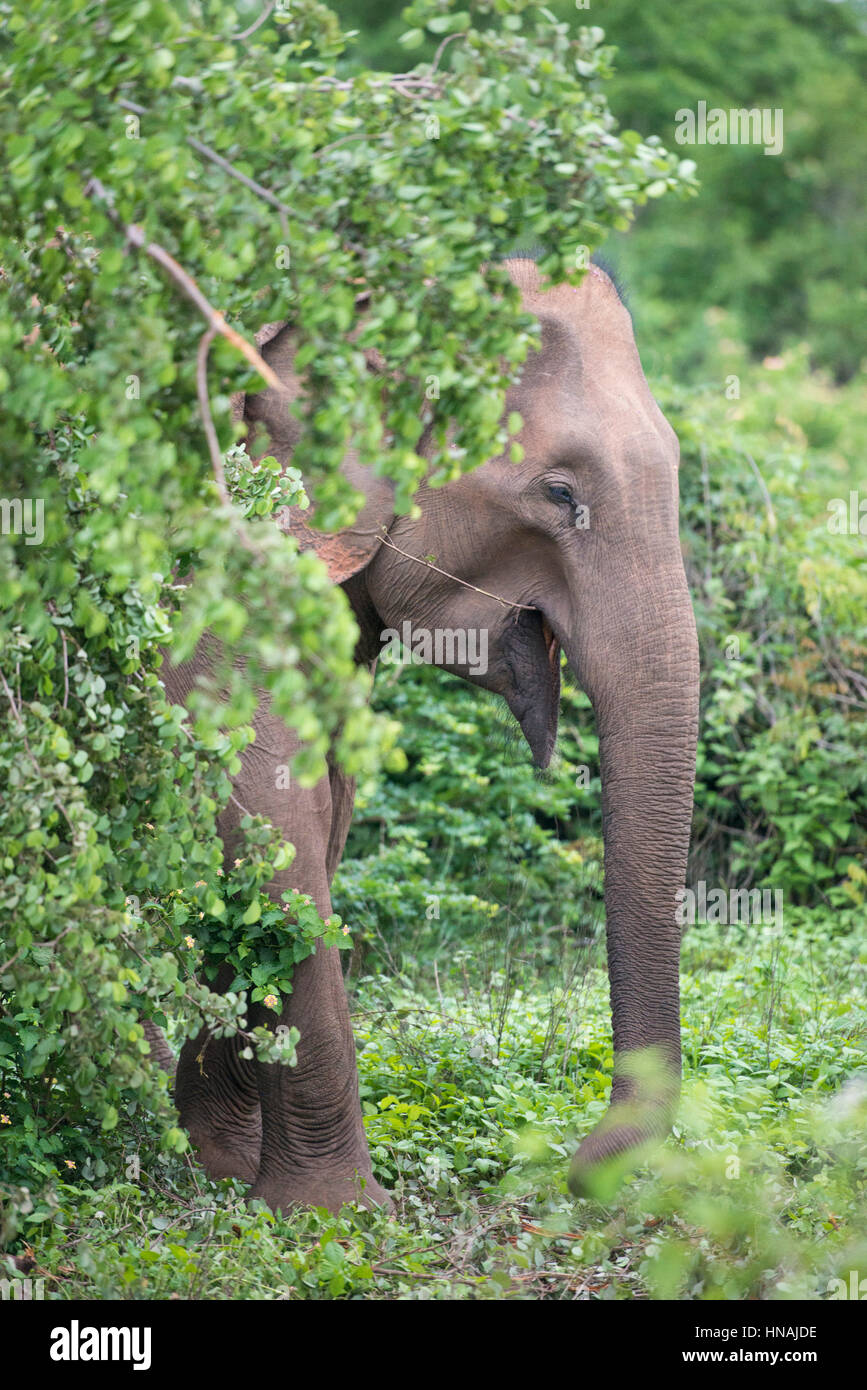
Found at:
(477, 1078)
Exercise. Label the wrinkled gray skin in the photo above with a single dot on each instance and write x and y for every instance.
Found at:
(614, 598)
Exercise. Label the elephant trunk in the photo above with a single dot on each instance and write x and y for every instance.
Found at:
(646, 705)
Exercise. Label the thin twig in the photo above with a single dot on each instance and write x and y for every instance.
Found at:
(257, 188)
(222, 163)
(257, 23)
(772, 518)
(65, 669)
(207, 419)
(356, 135)
(7, 965)
(443, 46)
(439, 991)
(507, 603)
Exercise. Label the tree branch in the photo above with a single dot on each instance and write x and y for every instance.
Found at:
(207, 419)
(450, 38)
(257, 23)
(220, 161)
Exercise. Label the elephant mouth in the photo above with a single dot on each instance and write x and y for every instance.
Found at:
(532, 651)
(552, 645)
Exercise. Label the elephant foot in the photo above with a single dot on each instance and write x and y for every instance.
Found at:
(218, 1103)
(623, 1140)
(320, 1188)
(224, 1156)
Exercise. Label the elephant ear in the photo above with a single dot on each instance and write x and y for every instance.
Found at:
(272, 430)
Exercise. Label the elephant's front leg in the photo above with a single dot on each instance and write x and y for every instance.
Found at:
(217, 1095)
(314, 1148)
(311, 1147)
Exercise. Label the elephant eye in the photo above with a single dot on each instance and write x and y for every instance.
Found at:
(558, 493)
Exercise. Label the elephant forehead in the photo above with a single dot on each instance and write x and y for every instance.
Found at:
(592, 309)
(568, 417)
(584, 392)
(588, 355)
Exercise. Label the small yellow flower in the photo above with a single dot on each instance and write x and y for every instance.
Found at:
(70, 1163)
(190, 941)
(201, 915)
(221, 872)
(270, 1001)
(200, 883)
(238, 863)
(345, 931)
(5, 1120)
(148, 825)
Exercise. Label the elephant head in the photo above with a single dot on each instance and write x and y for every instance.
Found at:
(574, 549)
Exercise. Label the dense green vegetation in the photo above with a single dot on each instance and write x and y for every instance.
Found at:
(474, 1085)
(472, 886)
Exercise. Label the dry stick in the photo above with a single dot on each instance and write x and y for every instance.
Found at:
(207, 419)
(187, 285)
(257, 23)
(708, 527)
(772, 518)
(507, 603)
(356, 135)
(254, 187)
(65, 669)
(450, 38)
(222, 163)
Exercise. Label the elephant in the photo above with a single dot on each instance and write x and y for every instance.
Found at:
(573, 550)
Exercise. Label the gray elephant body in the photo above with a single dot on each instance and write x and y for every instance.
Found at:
(611, 592)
